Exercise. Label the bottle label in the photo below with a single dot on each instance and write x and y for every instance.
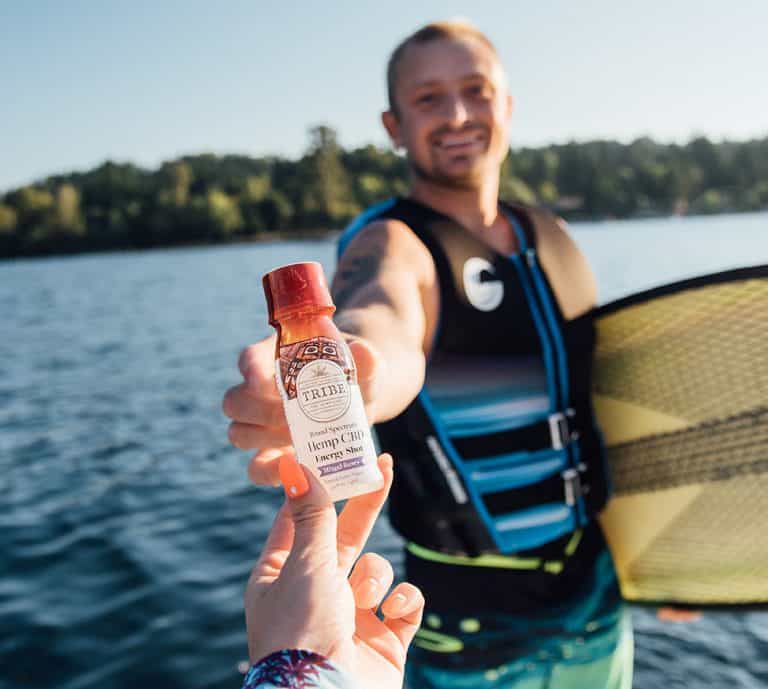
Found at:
(326, 416)
(322, 390)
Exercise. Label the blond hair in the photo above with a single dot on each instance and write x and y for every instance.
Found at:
(452, 30)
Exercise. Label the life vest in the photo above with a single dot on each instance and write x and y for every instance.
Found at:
(500, 451)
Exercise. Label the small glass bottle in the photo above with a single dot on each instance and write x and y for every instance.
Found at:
(317, 380)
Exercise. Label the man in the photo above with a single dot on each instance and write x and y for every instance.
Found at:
(472, 336)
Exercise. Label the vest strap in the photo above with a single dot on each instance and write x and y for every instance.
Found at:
(565, 487)
(554, 432)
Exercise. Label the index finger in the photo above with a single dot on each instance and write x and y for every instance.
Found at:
(358, 517)
(257, 362)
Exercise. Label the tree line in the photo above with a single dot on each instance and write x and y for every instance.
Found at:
(209, 199)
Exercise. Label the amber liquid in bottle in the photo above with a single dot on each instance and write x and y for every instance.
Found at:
(317, 379)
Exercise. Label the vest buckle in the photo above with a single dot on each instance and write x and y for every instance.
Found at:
(573, 487)
(559, 429)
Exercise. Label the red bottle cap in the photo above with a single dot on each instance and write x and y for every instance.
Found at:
(295, 287)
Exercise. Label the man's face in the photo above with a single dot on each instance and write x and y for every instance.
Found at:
(453, 112)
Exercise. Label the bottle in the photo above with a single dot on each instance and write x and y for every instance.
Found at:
(317, 380)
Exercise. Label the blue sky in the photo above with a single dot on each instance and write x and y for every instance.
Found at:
(145, 81)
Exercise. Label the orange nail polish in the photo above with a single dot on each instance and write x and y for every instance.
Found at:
(292, 477)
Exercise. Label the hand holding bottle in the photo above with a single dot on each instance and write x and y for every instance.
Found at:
(301, 595)
(256, 409)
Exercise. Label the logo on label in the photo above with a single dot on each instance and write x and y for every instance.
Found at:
(483, 289)
(322, 390)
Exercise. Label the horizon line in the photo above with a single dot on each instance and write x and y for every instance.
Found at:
(625, 141)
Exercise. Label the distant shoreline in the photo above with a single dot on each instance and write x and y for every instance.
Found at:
(208, 199)
(266, 238)
(278, 237)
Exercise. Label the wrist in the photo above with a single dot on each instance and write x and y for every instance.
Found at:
(273, 669)
(258, 653)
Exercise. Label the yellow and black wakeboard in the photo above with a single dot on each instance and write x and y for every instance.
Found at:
(681, 394)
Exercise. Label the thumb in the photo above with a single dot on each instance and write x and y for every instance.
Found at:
(369, 364)
(312, 511)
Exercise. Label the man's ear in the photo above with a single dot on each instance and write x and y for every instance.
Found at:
(510, 106)
(392, 125)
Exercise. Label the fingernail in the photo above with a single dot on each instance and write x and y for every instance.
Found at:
(367, 589)
(397, 604)
(292, 477)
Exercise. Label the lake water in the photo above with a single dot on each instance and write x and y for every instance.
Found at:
(128, 527)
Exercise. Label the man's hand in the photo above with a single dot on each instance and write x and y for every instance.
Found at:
(301, 594)
(256, 410)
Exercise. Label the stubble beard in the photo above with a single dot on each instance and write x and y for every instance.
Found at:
(470, 181)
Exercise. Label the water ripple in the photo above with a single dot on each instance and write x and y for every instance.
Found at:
(128, 526)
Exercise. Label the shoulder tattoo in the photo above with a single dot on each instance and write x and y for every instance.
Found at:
(357, 268)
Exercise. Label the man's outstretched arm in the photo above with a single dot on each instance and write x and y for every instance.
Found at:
(387, 295)
(385, 290)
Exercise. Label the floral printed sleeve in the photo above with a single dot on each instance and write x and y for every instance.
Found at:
(295, 670)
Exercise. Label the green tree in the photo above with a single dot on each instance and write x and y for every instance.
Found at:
(177, 181)
(209, 198)
(224, 217)
(33, 206)
(369, 188)
(513, 188)
(326, 198)
(711, 201)
(256, 187)
(8, 219)
(276, 211)
(377, 174)
(254, 192)
(756, 197)
(8, 236)
(68, 217)
(34, 210)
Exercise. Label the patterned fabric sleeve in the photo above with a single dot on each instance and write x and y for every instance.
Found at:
(296, 670)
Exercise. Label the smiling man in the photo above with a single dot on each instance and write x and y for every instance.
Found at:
(479, 311)
(471, 328)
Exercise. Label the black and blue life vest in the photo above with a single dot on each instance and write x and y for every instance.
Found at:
(499, 452)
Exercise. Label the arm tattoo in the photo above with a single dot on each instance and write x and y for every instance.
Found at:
(354, 274)
(356, 270)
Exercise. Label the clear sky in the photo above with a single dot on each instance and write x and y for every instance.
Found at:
(85, 81)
